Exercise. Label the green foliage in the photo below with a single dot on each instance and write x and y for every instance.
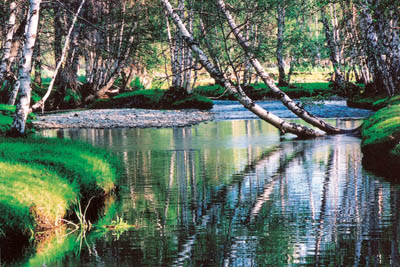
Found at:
(136, 84)
(6, 119)
(72, 96)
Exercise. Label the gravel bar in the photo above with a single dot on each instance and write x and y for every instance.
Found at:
(122, 118)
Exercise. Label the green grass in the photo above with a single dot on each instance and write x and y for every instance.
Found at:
(43, 179)
(153, 99)
(381, 138)
(260, 91)
(77, 162)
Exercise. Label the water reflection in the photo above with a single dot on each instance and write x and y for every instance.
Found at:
(231, 194)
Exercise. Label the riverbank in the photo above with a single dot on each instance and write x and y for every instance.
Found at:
(381, 140)
(42, 182)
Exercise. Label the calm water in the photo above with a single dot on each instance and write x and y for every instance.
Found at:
(234, 193)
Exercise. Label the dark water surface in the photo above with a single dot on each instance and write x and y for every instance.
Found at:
(234, 193)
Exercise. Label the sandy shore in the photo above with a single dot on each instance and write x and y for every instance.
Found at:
(122, 118)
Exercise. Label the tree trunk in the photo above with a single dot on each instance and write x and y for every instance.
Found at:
(14, 54)
(333, 51)
(38, 63)
(279, 45)
(10, 29)
(171, 51)
(24, 77)
(40, 104)
(374, 50)
(283, 97)
(215, 73)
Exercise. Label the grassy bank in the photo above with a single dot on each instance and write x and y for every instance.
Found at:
(373, 102)
(42, 180)
(261, 91)
(381, 139)
(154, 99)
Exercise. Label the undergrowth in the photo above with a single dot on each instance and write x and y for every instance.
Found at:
(154, 99)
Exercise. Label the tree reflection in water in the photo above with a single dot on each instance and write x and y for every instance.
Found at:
(229, 193)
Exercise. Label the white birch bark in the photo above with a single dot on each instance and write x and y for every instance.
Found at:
(24, 77)
(171, 51)
(334, 50)
(280, 38)
(380, 69)
(40, 103)
(283, 97)
(188, 58)
(279, 123)
(10, 29)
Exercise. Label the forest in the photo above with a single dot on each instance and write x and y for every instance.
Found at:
(77, 52)
(251, 131)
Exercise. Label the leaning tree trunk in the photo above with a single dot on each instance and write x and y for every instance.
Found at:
(215, 73)
(10, 29)
(284, 98)
(24, 77)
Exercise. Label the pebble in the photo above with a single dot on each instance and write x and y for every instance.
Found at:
(122, 118)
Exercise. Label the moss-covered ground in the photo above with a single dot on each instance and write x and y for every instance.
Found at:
(381, 139)
(42, 180)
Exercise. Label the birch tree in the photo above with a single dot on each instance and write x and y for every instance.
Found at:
(10, 29)
(283, 97)
(282, 125)
(281, 10)
(24, 78)
(332, 39)
(40, 104)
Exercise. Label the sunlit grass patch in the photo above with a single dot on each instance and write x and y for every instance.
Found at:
(79, 163)
(43, 179)
(26, 184)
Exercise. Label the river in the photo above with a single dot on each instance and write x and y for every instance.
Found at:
(233, 192)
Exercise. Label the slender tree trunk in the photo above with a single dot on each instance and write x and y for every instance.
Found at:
(333, 51)
(283, 97)
(58, 29)
(171, 51)
(24, 77)
(10, 29)
(375, 54)
(15, 53)
(188, 58)
(247, 66)
(38, 63)
(280, 41)
(40, 104)
(215, 73)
